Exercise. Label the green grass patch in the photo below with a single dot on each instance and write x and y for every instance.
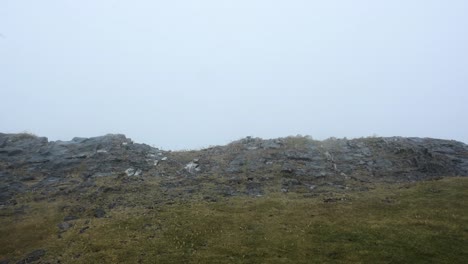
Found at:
(425, 222)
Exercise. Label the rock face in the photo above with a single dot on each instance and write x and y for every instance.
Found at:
(95, 155)
(246, 166)
(26, 158)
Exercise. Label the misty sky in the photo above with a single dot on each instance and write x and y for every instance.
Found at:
(189, 74)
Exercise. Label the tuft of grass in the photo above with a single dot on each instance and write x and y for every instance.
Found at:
(298, 142)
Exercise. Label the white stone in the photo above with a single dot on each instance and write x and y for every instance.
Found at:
(133, 172)
(130, 171)
(192, 167)
(164, 158)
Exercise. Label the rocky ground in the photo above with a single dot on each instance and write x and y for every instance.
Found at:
(250, 166)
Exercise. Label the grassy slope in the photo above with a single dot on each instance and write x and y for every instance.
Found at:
(411, 223)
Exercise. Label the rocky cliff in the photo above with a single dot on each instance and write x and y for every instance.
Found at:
(250, 166)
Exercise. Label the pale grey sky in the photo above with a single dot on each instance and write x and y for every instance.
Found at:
(188, 74)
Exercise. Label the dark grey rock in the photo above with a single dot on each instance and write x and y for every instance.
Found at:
(33, 256)
(271, 144)
(297, 155)
(226, 190)
(237, 165)
(254, 188)
(210, 199)
(70, 218)
(64, 226)
(99, 213)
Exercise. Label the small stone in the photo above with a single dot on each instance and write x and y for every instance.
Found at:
(82, 230)
(133, 172)
(64, 226)
(130, 171)
(99, 213)
(70, 218)
(329, 200)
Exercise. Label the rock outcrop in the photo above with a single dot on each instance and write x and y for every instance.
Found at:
(248, 166)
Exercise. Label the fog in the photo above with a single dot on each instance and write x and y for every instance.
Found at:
(189, 74)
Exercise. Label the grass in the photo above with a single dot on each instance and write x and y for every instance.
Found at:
(298, 142)
(425, 222)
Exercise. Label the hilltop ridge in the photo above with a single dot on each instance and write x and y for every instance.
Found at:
(287, 200)
(250, 166)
